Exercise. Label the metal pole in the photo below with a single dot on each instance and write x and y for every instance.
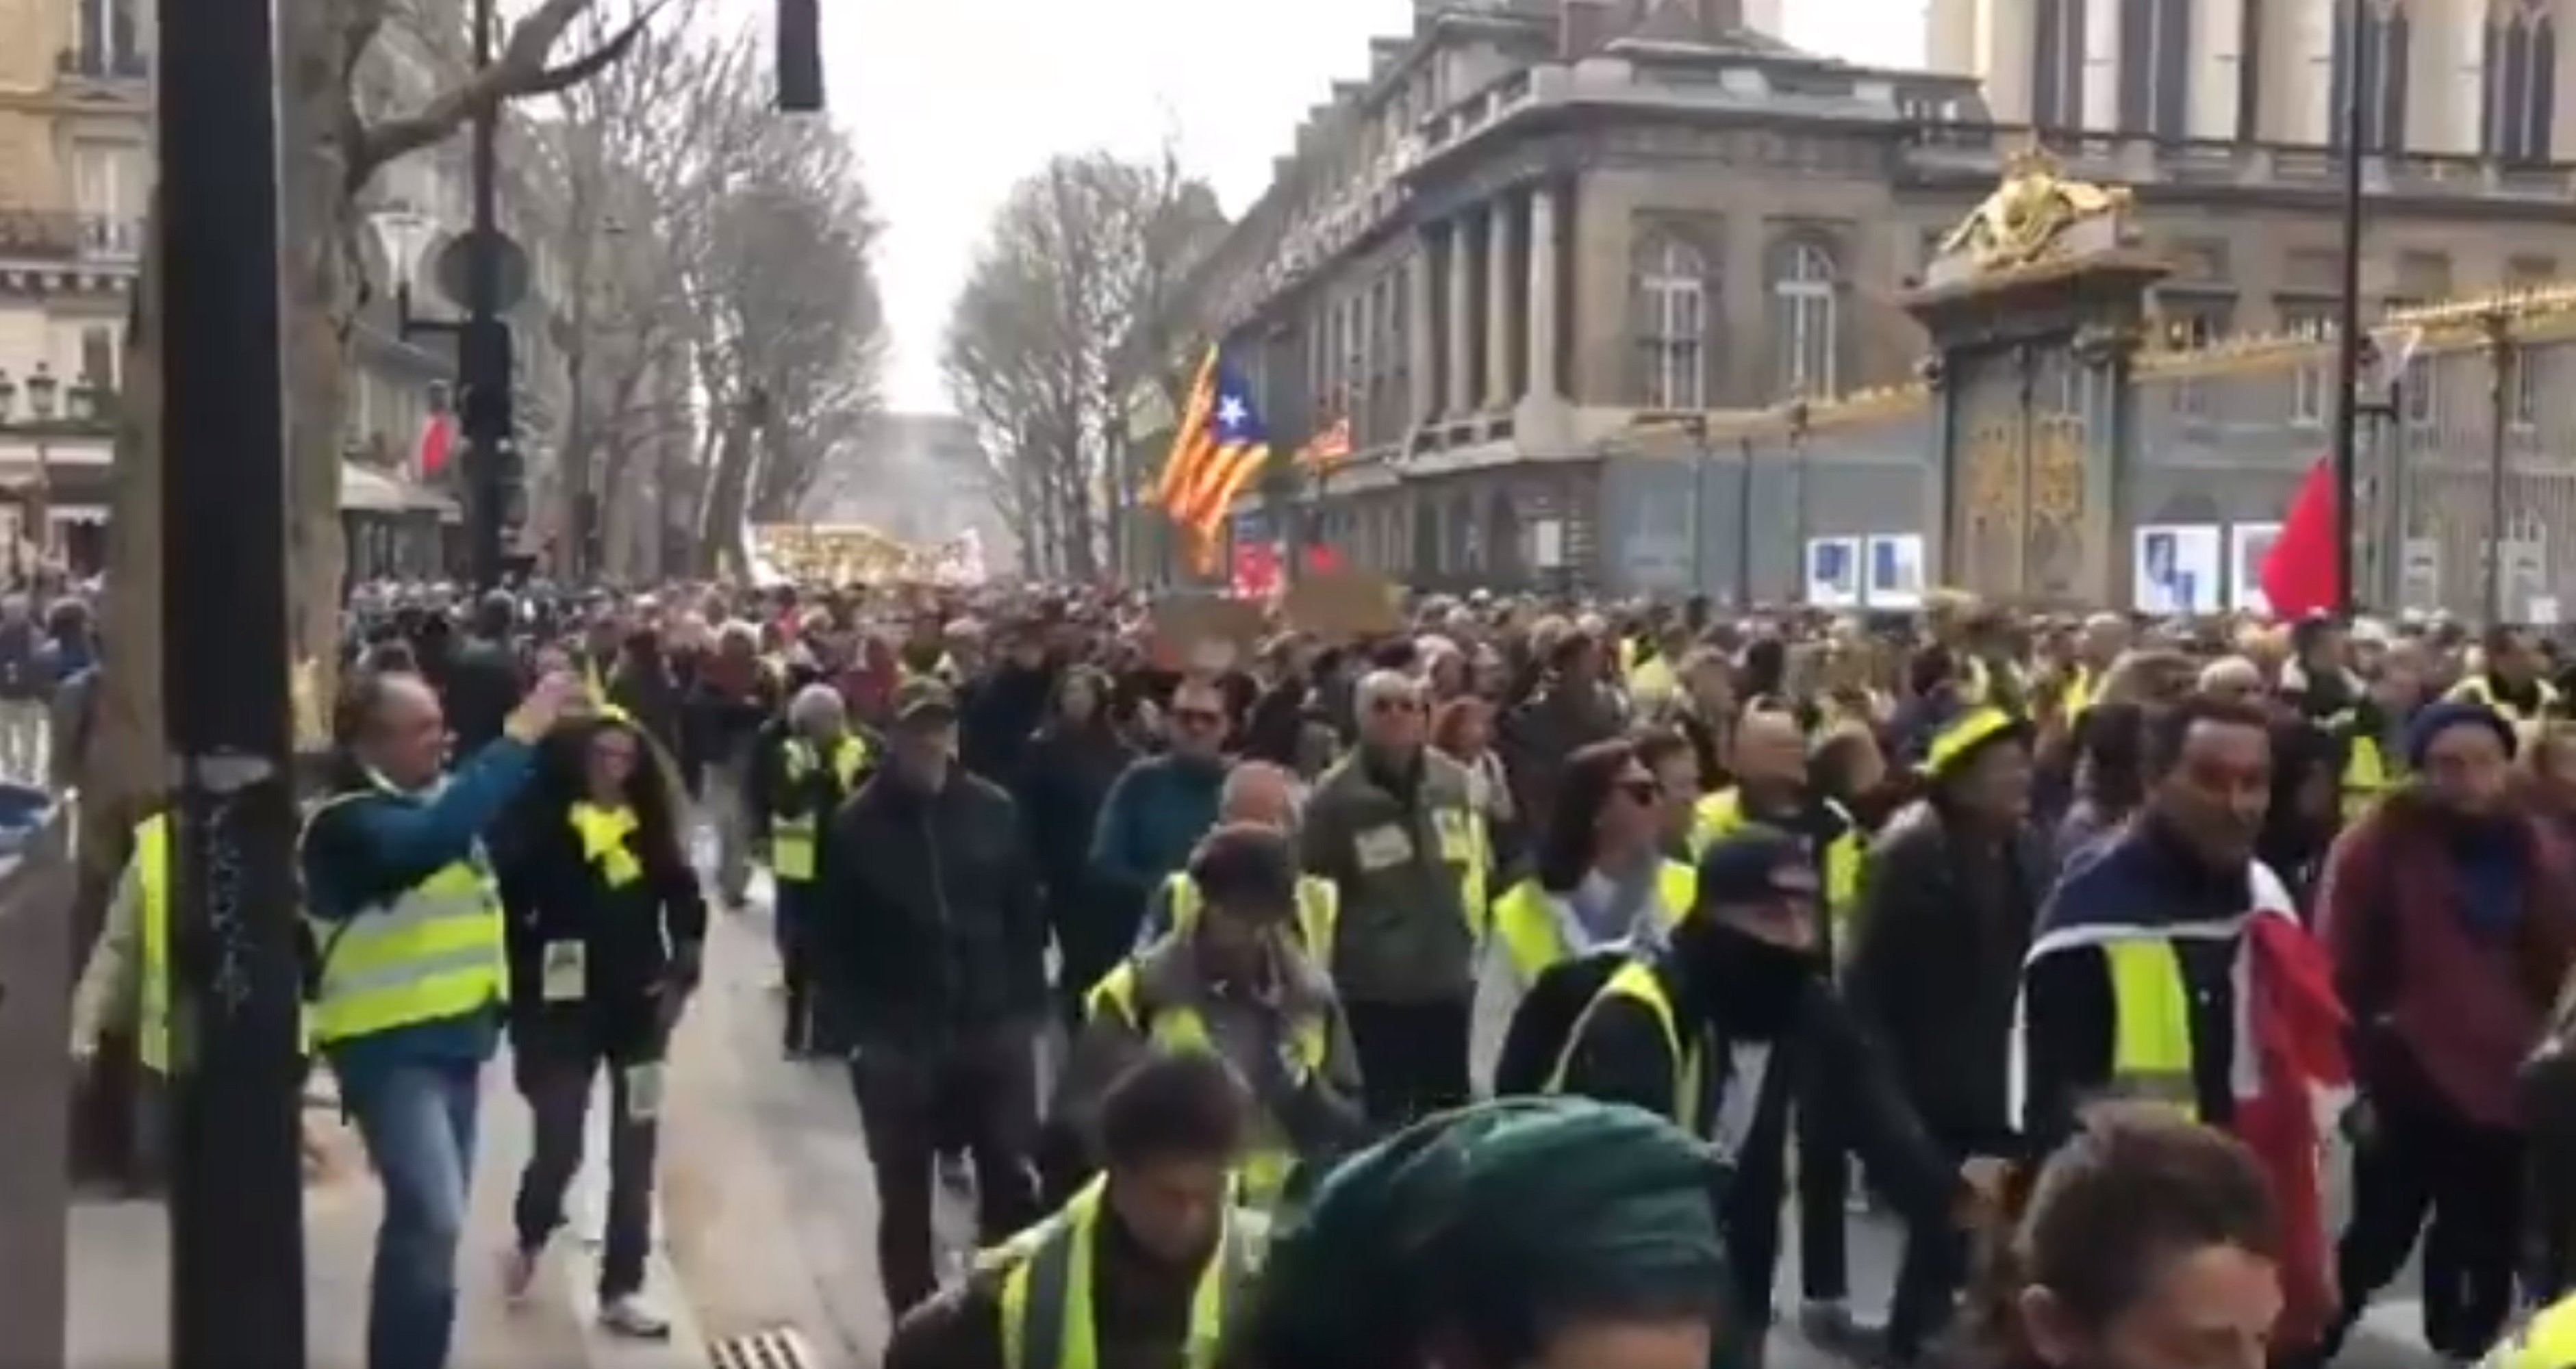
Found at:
(236, 1201)
(484, 350)
(1700, 460)
(2347, 457)
(1744, 523)
(2501, 361)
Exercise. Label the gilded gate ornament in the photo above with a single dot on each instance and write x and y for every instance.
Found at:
(2026, 217)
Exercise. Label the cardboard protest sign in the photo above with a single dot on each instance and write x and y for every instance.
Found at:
(1342, 604)
(1205, 633)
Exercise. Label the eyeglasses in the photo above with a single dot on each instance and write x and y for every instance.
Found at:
(1197, 717)
(1395, 703)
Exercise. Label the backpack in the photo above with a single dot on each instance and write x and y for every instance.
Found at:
(1543, 1021)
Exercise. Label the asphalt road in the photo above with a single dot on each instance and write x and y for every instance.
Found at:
(774, 1211)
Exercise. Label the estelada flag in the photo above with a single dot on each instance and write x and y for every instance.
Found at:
(2304, 572)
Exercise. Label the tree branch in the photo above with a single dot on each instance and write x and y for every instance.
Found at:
(518, 71)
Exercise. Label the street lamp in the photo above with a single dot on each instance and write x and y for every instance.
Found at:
(44, 421)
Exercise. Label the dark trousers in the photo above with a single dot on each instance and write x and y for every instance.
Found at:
(792, 923)
(2423, 1169)
(984, 1084)
(1824, 1193)
(1413, 1058)
(554, 1070)
(1935, 1264)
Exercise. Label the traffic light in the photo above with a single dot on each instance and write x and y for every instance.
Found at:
(800, 56)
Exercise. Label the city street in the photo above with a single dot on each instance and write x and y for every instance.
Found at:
(767, 1222)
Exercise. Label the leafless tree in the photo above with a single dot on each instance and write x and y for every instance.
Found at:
(1067, 309)
(330, 150)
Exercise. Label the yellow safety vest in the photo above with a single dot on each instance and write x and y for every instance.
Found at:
(1637, 980)
(1048, 1321)
(2079, 693)
(1465, 841)
(1722, 814)
(2547, 1341)
(2477, 690)
(2151, 1051)
(792, 839)
(1181, 1027)
(151, 865)
(1319, 910)
(438, 950)
(2366, 774)
(603, 833)
(1533, 939)
(594, 682)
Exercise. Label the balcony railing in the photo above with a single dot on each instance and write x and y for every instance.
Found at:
(104, 63)
(67, 236)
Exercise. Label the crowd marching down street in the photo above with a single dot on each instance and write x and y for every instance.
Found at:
(1484, 991)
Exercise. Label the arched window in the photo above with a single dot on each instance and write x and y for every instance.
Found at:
(2155, 68)
(1806, 332)
(2521, 80)
(2378, 62)
(2057, 64)
(1671, 322)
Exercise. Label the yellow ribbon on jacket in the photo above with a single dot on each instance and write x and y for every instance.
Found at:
(603, 833)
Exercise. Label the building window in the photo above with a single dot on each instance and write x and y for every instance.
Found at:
(107, 37)
(98, 357)
(2190, 325)
(2312, 388)
(2155, 68)
(2521, 82)
(1806, 333)
(1672, 325)
(2057, 64)
(2378, 62)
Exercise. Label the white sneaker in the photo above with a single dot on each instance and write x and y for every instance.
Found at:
(630, 1315)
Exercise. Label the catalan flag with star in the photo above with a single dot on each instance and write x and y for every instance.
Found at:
(1218, 449)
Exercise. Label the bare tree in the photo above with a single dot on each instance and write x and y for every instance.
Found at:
(1065, 312)
(329, 152)
(786, 325)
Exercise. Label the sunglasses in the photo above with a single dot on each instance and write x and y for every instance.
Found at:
(1197, 717)
(1395, 703)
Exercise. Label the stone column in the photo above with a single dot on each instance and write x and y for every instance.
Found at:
(1421, 338)
(1499, 393)
(1457, 369)
(1545, 285)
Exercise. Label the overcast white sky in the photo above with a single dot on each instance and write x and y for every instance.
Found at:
(950, 103)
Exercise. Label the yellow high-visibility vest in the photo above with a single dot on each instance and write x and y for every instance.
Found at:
(1466, 842)
(2151, 1051)
(438, 950)
(1181, 1027)
(792, 839)
(2477, 690)
(1319, 910)
(1048, 1321)
(604, 832)
(1637, 980)
(2366, 772)
(1722, 814)
(1533, 939)
(151, 866)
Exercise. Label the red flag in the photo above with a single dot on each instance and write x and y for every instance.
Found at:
(437, 438)
(2304, 573)
(1322, 559)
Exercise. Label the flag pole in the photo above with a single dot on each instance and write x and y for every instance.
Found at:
(2348, 342)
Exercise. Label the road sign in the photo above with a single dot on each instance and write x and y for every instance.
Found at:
(456, 271)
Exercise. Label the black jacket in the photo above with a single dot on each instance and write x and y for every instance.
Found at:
(1933, 967)
(1620, 1055)
(929, 925)
(635, 938)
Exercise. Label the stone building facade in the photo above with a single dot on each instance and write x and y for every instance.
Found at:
(1572, 266)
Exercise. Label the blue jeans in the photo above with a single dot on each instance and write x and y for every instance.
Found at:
(417, 1118)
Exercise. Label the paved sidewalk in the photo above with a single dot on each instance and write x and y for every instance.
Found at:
(119, 1270)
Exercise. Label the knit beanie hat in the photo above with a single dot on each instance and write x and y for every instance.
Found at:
(2437, 718)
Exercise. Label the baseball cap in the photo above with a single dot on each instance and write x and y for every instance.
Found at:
(924, 700)
(1755, 865)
